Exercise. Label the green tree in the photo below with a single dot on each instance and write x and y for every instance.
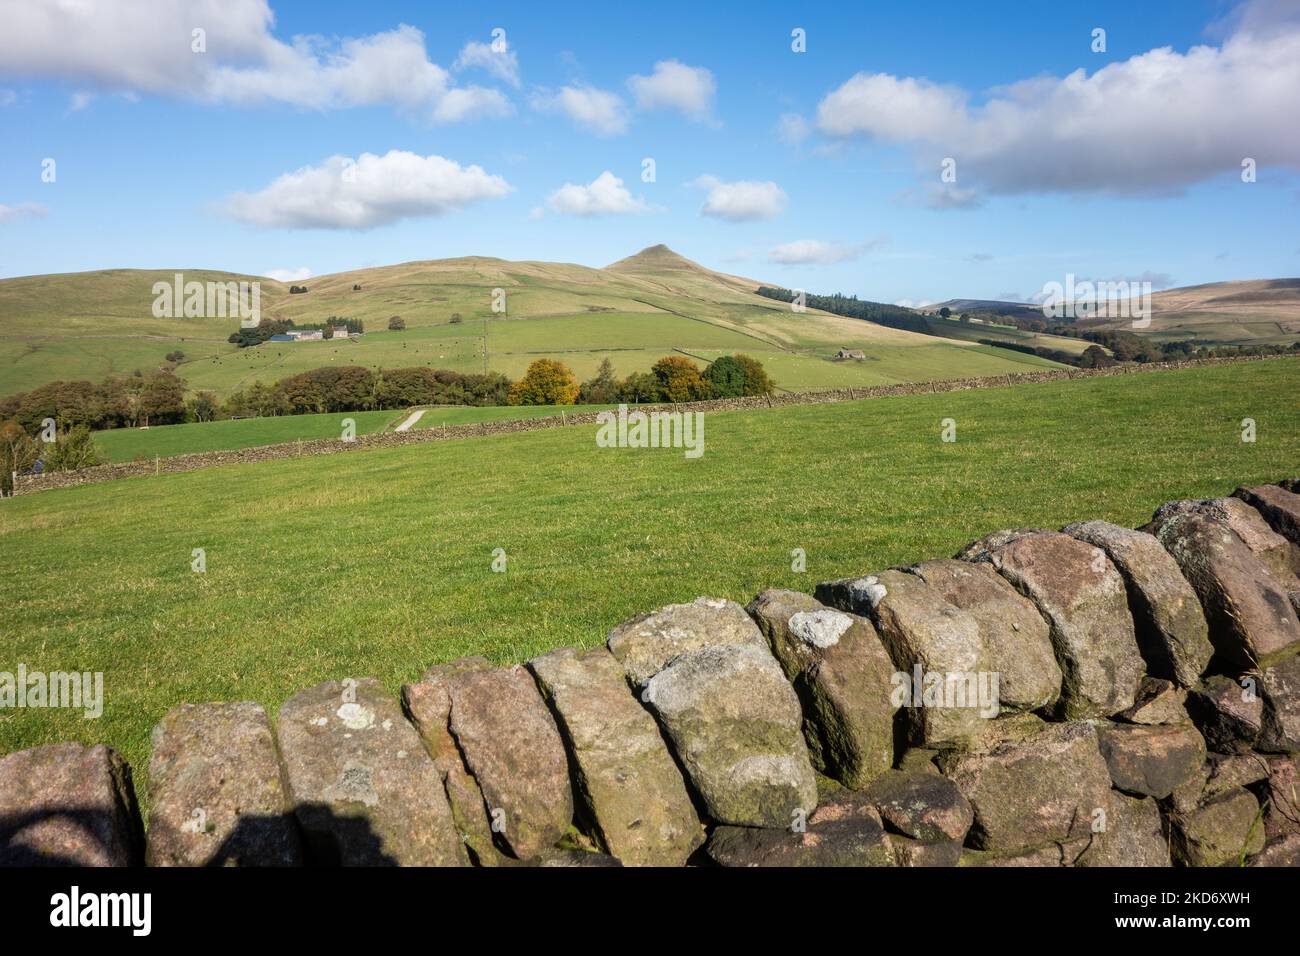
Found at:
(726, 377)
(396, 324)
(640, 387)
(601, 390)
(202, 407)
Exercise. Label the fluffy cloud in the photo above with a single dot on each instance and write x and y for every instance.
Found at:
(805, 251)
(501, 63)
(126, 46)
(604, 196)
(741, 201)
(370, 191)
(600, 111)
(1150, 125)
(288, 275)
(675, 86)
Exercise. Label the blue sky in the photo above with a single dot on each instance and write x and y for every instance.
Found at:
(818, 170)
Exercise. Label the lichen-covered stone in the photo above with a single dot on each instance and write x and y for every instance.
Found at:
(1011, 726)
(1280, 688)
(1229, 715)
(1279, 507)
(510, 743)
(844, 831)
(1031, 792)
(937, 649)
(1226, 771)
(1084, 598)
(1151, 760)
(68, 805)
(218, 796)
(1131, 834)
(428, 706)
(737, 728)
(1170, 626)
(841, 672)
(363, 788)
(1158, 702)
(1252, 621)
(630, 788)
(1016, 637)
(923, 806)
(1281, 852)
(1282, 814)
(1275, 552)
(1055, 853)
(646, 644)
(914, 853)
(1220, 832)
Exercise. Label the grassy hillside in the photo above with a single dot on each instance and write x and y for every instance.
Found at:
(87, 325)
(380, 563)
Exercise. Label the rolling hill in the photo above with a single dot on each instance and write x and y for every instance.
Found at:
(1241, 312)
(87, 325)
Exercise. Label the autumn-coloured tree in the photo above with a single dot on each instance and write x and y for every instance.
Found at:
(547, 382)
(757, 381)
(679, 379)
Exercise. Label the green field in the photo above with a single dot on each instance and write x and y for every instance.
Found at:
(87, 325)
(128, 444)
(379, 563)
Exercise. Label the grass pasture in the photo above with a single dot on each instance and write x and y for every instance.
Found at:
(379, 563)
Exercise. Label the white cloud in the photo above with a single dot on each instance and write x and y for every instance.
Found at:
(372, 191)
(793, 128)
(501, 63)
(126, 46)
(675, 86)
(941, 196)
(604, 196)
(600, 111)
(289, 275)
(741, 201)
(1150, 125)
(805, 251)
(22, 210)
(8, 97)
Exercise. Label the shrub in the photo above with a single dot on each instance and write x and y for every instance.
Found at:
(175, 357)
(456, 319)
(74, 449)
(396, 324)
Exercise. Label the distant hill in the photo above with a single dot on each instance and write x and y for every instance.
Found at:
(87, 325)
(1238, 312)
(1243, 312)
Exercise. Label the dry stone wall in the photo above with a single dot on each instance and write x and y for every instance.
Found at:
(29, 484)
(1095, 696)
